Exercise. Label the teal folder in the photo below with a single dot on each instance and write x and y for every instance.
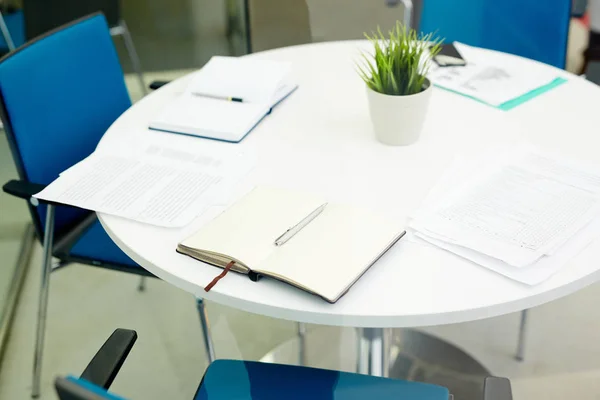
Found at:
(509, 105)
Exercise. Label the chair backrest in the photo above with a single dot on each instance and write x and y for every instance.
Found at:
(236, 379)
(58, 95)
(72, 388)
(530, 28)
(42, 16)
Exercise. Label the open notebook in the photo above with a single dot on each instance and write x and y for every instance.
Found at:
(227, 98)
(325, 257)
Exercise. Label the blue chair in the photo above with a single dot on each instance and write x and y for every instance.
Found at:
(58, 95)
(41, 16)
(248, 380)
(529, 28)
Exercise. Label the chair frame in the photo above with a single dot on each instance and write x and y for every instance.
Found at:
(122, 30)
(59, 245)
(6, 33)
(104, 367)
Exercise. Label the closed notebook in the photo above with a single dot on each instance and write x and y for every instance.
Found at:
(325, 257)
(227, 98)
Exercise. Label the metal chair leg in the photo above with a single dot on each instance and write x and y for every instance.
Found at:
(207, 336)
(122, 30)
(43, 301)
(302, 343)
(6, 33)
(520, 356)
(142, 285)
(15, 286)
(373, 351)
(231, 10)
(408, 11)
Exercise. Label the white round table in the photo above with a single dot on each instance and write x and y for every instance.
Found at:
(320, 139)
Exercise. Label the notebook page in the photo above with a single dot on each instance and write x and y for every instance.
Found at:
(247, 230)
(249, 79)
(206, 117)
(331, 252)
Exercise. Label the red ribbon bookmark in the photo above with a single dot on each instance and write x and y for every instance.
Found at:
(218, 277)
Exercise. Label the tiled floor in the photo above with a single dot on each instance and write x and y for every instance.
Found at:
(86, 304)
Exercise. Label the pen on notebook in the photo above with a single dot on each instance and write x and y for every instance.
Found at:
(288, 234)
(212, 96)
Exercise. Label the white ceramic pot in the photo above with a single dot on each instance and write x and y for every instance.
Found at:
(398, 120)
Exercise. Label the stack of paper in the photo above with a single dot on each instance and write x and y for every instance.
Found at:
(494, 79)
(524, 214)
(158, 185)
(227, 98)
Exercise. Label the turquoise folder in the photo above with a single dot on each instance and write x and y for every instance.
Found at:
(509, 105)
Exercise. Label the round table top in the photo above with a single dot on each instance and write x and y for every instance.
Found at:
(320, 139)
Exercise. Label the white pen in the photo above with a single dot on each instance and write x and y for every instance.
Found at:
(287, 235)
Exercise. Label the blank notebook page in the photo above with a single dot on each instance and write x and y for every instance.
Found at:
(248, 229)
(200, 115)
(255, 81)
(331, 252)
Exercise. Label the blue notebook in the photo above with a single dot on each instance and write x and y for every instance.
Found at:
(227, 98)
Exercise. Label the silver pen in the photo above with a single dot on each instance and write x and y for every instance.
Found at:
(288, 234)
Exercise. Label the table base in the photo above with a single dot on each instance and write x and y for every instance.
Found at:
(413, 355)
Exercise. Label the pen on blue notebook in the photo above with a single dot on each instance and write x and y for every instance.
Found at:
(288, 234)
(216, 97)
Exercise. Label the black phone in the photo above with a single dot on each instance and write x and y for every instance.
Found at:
(449, 56)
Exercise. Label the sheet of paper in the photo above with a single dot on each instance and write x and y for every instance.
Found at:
(533, 274)
(252, 80)
(579, 174)
(518, 212)
(489, 77)
(461, 170)
(157, 185)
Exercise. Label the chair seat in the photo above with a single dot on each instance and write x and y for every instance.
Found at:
(95, 244)
(249, 380)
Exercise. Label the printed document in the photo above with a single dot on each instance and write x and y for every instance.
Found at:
(488, 77)
(516, 211)
(157, 185)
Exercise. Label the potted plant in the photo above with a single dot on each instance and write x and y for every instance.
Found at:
(398, 90)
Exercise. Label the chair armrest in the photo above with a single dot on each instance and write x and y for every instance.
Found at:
(158, 84)
(497, 389)
(22, 189)
(107, 362)
(578, 8)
